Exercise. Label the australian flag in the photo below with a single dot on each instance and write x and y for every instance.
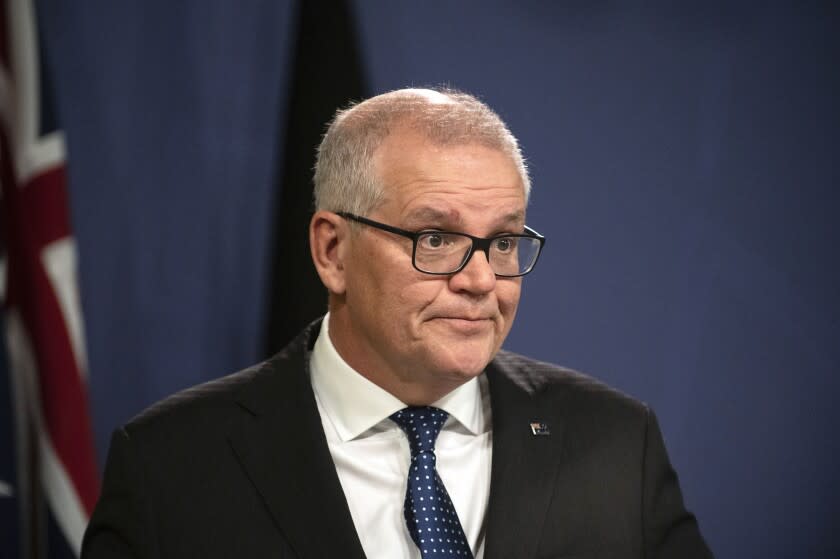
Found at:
(48, 475)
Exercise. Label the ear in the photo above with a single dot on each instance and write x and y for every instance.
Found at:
(328, 239)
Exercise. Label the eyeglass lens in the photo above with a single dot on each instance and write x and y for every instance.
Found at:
(441, 253)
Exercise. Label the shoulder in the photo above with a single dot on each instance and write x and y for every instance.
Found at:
(208, 407)
(198, 404)
(575, 392)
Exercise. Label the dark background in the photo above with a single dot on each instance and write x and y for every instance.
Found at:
(684, 161)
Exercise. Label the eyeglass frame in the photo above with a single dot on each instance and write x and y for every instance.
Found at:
(480, 243)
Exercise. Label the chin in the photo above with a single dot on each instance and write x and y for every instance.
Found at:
(459, 351)
(466, 362)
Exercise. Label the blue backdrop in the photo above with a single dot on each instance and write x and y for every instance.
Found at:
(684, 160)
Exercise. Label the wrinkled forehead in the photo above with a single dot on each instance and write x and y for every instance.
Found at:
(446, 183)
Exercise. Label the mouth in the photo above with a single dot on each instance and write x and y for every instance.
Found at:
(465, 325)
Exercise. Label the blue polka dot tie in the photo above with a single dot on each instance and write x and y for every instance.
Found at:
(429, 515)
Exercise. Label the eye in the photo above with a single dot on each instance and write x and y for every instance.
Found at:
(505, 244)
(440, 242)
(433, 240)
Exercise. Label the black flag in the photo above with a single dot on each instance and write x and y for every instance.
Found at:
(327, 75)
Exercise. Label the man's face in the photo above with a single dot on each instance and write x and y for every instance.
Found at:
(406, 328)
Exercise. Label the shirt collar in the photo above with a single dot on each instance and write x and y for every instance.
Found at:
(354, 404)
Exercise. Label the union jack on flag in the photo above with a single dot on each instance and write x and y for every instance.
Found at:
(44, 333)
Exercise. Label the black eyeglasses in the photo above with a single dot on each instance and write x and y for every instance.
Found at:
(444, 252)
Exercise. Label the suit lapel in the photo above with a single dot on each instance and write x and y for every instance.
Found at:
(280, 443)
(524, 465)
(281, 446)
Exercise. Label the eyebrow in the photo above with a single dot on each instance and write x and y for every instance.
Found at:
(426, 213)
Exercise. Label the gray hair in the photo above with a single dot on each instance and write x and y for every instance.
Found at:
(345, 179)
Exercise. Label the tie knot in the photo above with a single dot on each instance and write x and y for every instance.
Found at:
(421, 425)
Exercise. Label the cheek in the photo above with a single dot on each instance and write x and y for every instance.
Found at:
(507, 294)
(416, 291)
(400, 302)
(409, 308)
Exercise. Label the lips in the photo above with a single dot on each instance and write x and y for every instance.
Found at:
(464, 325)
(466, 317)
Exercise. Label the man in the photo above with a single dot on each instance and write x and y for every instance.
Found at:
(396, 427)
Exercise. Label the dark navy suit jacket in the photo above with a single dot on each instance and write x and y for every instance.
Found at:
(239, 467)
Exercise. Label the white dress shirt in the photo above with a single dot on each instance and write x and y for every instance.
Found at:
(372, 455)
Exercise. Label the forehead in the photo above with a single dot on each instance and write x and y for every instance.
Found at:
(459, 183)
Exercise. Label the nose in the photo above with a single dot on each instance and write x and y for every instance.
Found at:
(476, 277)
